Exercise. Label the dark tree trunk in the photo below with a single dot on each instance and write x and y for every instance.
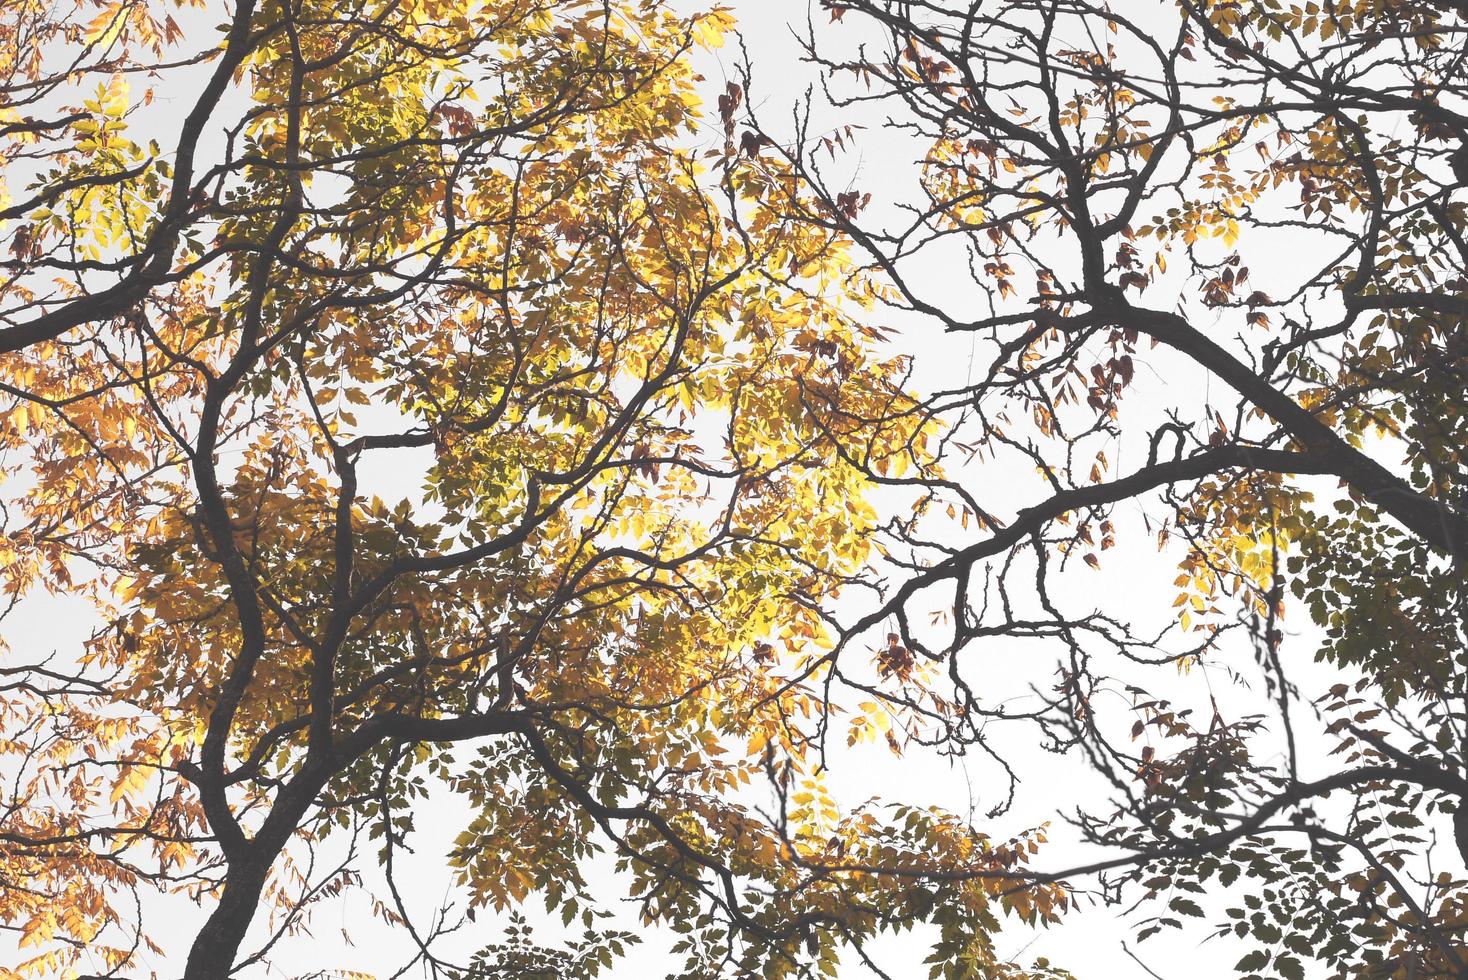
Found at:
(1460, 828)
(214, 950)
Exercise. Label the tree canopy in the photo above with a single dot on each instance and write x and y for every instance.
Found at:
(472, 410)
(1217, 301)
(421, 410)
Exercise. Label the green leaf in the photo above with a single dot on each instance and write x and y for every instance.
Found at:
(1186, 907)
(1290, 968)
(1252, 962)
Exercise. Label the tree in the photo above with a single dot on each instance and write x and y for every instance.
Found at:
(1224, 242)
(422, 415)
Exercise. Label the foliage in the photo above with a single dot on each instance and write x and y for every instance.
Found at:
(419, 413)
(1223, 241)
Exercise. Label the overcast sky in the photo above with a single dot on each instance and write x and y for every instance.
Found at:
(1089, 943)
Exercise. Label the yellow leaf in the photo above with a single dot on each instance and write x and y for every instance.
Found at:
(709, 29)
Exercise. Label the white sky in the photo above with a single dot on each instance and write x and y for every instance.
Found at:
(1089, 943)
